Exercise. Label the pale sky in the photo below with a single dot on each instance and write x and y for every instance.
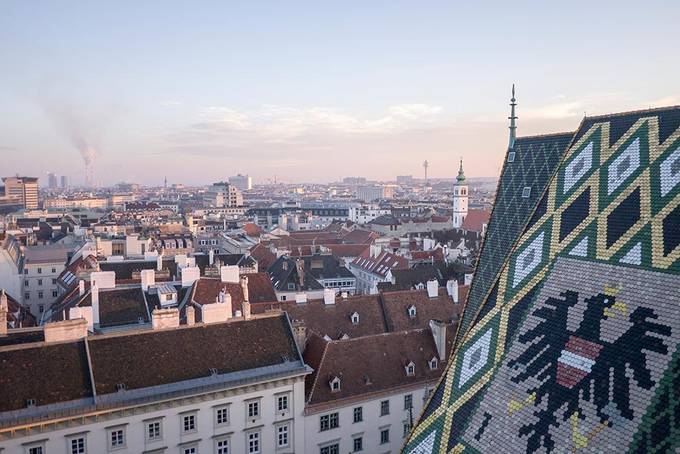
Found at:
(314, 91)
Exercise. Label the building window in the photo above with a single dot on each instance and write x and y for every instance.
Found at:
(54, 282)
(358, 414)
(434, 363)
(189, 423)
(26, 271)
(27, 295)
(408, 401)
(330, 449)
(526, 192)
(26, 283)
(412, 311)
(54, 293)
(77, 445)
(384, 436)
(327, 422)
(410, 369)
(335, 384)
(117, 438)
(190, 450)
(39, 281)
(40, 294)
(282, 436)
(222, 415)
(282, 402)
(355, 318)
(407, 429)
(511, 156)
(36, 449)
(358, 444)
(153, 430)
(54, 270)
(39, 270)
(41, 308)
(253, 443)
(254, 409)
(384, 407)
(222, 446)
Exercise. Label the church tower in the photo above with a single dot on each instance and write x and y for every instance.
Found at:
(460, 199)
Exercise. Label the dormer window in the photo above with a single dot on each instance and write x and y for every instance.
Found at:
(335, 384)
(412, 311)
(410, 369)
(355, 318)
(433, 363)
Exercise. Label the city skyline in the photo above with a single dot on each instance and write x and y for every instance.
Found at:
(300, 94)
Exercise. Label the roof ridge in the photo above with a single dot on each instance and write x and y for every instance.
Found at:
(316, 377)
(551, 134)
(630, 112)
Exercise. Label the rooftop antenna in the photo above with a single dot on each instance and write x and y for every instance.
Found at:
(512, 118)
(425, 166)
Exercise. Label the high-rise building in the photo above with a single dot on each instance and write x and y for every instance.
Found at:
(64, 181)
(242, 182)
(222, 195)
(22, 189)
(51, 180)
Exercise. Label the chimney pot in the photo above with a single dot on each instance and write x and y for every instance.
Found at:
(94, 298)
(432, 288)
(328, 296)
(191, 315)
(81, 287)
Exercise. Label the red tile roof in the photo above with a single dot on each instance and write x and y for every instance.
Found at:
(475, 220)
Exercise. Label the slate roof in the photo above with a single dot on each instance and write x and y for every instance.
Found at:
(285, 270)
(535, 161)
(203, 260)
(575, 346)
(125, 269)
(380, 264)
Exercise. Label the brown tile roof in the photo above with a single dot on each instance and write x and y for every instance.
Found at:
(396, 305)
(334, 320)
(359, 236)
(46, 373)
(371, 364)
(260, 290)
(153, 358)
(347, 250)
(252, 229)
(263, 255)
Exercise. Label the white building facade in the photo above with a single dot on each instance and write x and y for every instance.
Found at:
(460, 199)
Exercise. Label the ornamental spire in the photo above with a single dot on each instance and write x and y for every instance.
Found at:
(512, 118)
(461, 176)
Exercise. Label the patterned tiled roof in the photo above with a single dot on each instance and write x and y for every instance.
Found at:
(572, 327)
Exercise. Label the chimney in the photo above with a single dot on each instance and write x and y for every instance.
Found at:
(191, 315)
(300, 265)
(468, 278)
(82, 312)
(432, 288)
(328, 296)
(216, 312)
(244, 288)
(148, 279)
(438, 329)
(81, 287)
(300, 334)
(452, 289)
(301, 297)
(94, 298)
(211, 257)
(165, 318)
(229, 274)
(159, 261)
(65, 330)
(3, 313)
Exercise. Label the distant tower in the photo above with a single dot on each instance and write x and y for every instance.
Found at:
(512, 118)
(460, 198)
(425, 166)
(165, 182)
